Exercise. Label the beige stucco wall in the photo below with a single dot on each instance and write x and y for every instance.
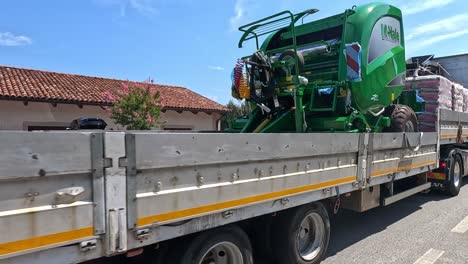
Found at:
(17, 116)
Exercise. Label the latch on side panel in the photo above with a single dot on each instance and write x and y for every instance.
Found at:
(88, 245)
(362, 162)
(142, 234)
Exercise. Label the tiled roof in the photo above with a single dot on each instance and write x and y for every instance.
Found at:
(36, 85)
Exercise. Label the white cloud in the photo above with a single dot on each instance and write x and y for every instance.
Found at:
(445, 25)
(428, 34)
(146, 7)
(423, 5)
(239, 14)
(143, 6)
(420, 44)
(216, 68)
(10, 39)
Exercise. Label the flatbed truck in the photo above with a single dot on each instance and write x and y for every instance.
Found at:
(71, 197)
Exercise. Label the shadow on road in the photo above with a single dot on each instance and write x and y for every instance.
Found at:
(349, 227)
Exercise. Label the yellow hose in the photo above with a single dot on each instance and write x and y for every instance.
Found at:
(262, 125)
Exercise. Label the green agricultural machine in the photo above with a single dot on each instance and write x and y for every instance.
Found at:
(344, 73)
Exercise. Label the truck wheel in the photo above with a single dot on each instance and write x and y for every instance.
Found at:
(227, 244)
(455, 177)
(301, 235)
(403, 119)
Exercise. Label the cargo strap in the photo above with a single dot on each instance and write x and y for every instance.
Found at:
(411, 144)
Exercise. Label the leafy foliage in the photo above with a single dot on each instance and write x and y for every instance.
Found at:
(236, 112)
(136, 105)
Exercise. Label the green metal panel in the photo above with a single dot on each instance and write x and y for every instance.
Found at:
(378, 29)
(380, 72)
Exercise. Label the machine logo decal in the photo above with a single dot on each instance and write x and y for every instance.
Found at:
(375, 98)
(389, 33)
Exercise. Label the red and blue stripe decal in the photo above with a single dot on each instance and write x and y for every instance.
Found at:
(353, 53)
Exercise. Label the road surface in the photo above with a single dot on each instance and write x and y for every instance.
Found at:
(422, 229)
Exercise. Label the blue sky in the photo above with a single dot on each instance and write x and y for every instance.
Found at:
(183, 42)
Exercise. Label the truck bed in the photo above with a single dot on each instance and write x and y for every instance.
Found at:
(81, 195)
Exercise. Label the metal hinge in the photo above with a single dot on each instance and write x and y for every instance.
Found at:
(88, 245)
(142, 234)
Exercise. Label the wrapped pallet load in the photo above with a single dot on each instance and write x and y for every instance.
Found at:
(437, 92)
(457, 96)
(465, 100)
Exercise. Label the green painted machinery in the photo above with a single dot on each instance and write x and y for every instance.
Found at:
(342, 73)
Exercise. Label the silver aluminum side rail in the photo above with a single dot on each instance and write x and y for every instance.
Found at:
(191, 182)
(101, 194)
(453, 127)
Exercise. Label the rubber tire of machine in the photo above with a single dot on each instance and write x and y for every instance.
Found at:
(290, 53)
(452, 189)
(284, 233)
(194, 249)
(400, 116)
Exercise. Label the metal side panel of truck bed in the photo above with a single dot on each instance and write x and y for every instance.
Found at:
(66, 197)
(453, 127)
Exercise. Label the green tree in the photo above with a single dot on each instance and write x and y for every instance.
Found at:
(236, 112)
(136, 106)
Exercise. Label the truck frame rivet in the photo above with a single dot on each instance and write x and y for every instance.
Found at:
(157, 187)
(235, 176)
(200, 179)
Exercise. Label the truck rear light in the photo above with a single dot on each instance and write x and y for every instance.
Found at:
(442, 165)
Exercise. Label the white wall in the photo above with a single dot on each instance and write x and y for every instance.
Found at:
(17, 116)
(199, 121)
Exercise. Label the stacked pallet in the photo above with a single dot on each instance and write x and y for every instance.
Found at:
(437, 92)
(465, 100)
(457, 97)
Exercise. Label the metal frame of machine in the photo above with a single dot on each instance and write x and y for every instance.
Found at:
(336, 74)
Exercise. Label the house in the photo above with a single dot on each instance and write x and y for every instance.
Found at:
(43, 100)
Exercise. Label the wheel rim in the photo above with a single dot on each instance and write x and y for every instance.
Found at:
(310, 237)
(456, 174)
(223, 253)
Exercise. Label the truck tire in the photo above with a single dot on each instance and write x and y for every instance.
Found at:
(289, 55)
(455, 177)
(403, 119)
(301, 235)
(227, 244)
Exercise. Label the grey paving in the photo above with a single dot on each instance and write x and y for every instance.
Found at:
(402, 232)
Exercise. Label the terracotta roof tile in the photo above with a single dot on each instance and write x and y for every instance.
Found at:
(36, 85)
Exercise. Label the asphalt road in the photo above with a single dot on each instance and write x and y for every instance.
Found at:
(404, 232)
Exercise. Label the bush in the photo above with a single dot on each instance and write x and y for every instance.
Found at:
(136, 106)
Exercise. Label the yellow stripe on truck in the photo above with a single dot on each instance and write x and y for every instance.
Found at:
(191, 212)
(448, 136)
(402, 168)
(47, 240)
